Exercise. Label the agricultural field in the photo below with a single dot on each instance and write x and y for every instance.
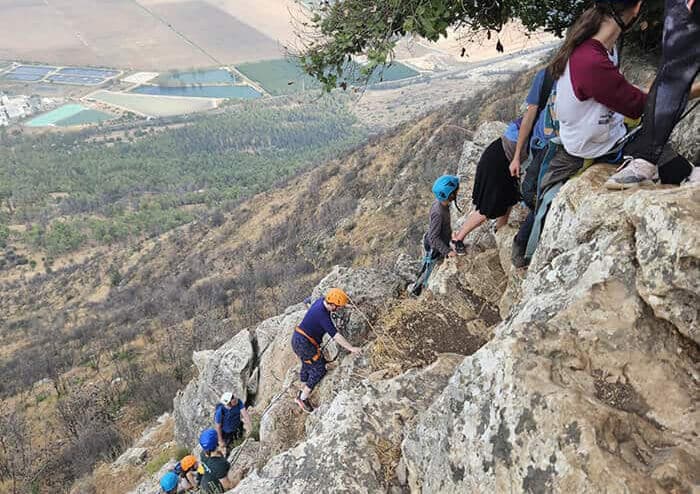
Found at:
(144, 34)
(154, 106)
(278, 77)
(284, 76)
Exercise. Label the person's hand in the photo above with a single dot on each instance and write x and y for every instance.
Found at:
(690, 5)
(452, 254)
(222, 446)
(515, 167)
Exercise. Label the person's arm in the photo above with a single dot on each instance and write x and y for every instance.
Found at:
(247, 422)
(340, 339)
(191, 479)
(593, 75)
(526, 127)
(219, 429)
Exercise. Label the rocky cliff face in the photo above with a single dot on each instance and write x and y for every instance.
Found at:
(577, 375)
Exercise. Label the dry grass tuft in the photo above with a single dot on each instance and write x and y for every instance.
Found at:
(389, 455)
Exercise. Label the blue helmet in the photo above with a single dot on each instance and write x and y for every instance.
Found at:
(208, 440)
(445, 186)
(168, 482)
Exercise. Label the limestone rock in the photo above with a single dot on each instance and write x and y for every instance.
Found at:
(277, 356)
(132, 456)
(365, 424)
(226, 369)
(282, 423)
(582, 389)
(667, 225)
(471, 286)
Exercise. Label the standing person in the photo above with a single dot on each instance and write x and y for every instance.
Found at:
(227, 420)
(307, 338)
(437, 240)
(496, 188)
(680, 64)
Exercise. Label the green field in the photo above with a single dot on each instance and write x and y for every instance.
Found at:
(283, 76)
(278, 76)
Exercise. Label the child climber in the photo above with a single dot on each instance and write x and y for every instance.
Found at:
(307, 339)
(436, 241)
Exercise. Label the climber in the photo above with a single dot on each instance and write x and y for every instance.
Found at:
(307, 338)
(592, 100)
(169, 483)
(680, 64)
(496, 188)
(216, 466)
(187, 470)
(436, 241)
(227, 420)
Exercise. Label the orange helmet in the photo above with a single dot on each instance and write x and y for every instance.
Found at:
(188, 462)
(338, 297)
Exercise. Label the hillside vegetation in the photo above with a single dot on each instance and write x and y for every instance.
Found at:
(67, 191)
(122, 323)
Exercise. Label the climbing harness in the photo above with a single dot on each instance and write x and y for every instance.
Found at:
(317, 355)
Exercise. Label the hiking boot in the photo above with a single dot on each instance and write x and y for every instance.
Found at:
(305, 405)
(460, 249)
(517, 255)
(633, 173)
(415, 289)
(694, 177)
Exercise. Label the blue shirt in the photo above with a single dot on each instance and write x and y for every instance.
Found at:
(230, 419)
(539, 138)
(318, 322)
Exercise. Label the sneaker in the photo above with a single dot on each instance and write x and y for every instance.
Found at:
(303, 404)
(460, 249)
(415, 289)
(633, 173)
(694, 177)
(517, 255)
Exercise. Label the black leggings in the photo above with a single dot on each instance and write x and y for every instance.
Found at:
(680, 64)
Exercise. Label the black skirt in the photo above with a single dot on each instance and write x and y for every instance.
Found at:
(494, 189)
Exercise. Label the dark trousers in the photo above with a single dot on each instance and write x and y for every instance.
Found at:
(680, 64)
(310, 374)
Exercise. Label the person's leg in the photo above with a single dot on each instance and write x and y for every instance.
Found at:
(474, 220)
(317, 371)
(519, 247)
(680, 64)
(502, 221)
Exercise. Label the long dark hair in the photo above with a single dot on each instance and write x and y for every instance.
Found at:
(584, 28)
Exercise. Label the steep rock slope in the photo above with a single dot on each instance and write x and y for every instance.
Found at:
(591, 383)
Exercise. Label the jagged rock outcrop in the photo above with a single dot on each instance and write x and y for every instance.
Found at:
(590, 385)
(352, 443)
(226, 369)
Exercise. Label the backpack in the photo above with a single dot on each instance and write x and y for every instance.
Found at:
(543, 99)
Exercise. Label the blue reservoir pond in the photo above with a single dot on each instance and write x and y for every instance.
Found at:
(239, 92)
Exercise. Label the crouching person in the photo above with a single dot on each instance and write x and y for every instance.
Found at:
(307, 339)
